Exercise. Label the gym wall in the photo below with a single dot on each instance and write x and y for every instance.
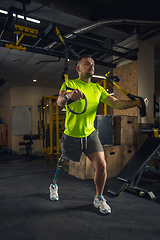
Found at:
(23, 96)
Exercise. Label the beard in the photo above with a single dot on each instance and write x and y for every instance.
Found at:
(90, 73)
(86, 74)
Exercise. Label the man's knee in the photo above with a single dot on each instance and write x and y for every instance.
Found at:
(101, 166)
(98, 160)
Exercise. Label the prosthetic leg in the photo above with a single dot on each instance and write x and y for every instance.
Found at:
(53, 186)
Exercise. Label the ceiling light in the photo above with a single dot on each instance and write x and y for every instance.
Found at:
(96, 76)
(102, 77)
(4, 12)
(27, 18)
(21, 17)
(34, 80)
(33, 20)
(16, 59)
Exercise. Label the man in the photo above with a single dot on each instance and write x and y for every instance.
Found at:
(80, 134)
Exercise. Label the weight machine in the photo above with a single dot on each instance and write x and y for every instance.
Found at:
(28, 142)
(131, 174)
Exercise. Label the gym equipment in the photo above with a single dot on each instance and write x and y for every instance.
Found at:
(65, 76)
(70, 101)
(132, 172)
(151, 131)
(22, 31)
(104, 107)
(29, 138)
(49, 110)
(114, 79)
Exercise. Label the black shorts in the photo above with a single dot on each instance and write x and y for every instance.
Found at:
(72, 148)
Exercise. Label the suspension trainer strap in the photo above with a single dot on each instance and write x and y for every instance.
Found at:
(142, 110)
(65, 75)
(65, 71)
(132, 97)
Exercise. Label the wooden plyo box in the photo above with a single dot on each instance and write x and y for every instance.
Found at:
(117, 157)
(113, 159)
(125, 130)
(83, 169)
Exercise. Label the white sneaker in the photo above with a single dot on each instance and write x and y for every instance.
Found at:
(100, 203)
(54, 192)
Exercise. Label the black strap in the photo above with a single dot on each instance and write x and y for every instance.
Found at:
(114, 79)
(70, 101)
(143, 108)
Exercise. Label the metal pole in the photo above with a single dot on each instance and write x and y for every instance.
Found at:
(45, 116)
(51, 123)
(105, 87)
(57, 127)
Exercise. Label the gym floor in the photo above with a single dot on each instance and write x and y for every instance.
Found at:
(27, 213)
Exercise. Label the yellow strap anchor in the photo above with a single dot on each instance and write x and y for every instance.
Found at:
(57, 32)
(123, 90)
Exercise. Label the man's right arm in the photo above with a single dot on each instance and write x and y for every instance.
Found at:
(75, 95)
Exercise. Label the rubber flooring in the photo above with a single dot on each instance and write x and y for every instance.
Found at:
(27, 213)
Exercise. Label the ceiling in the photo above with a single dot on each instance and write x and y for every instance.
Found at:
(87, 27)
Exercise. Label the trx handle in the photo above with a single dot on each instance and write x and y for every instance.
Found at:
(142, 110)
(70, 101)
(132, 97)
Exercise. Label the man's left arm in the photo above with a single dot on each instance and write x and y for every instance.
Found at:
(123, 104)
